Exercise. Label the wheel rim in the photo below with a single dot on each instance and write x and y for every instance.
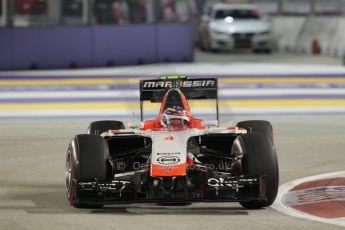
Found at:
(68, 174)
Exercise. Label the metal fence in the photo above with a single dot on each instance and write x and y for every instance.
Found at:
(21, 13)
(94, 12)
(301, 7)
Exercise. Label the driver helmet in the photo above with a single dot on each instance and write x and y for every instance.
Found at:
(175, 117)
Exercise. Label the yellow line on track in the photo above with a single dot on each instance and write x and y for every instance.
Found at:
(205, 104)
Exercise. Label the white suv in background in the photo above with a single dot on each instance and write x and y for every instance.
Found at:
(234, 26)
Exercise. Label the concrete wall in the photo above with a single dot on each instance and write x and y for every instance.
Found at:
(286, 31)
(296, 33)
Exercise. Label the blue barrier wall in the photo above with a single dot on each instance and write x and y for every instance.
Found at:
(175, 43)
(51, 47)
(6, 49)
(63, 47)
(125, 45)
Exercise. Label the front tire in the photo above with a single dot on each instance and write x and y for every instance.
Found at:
(87, 157)
(260, 159)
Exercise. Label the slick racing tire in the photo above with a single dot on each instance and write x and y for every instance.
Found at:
(98, 127)
(257, 126)
(86, 160)
(260, 159)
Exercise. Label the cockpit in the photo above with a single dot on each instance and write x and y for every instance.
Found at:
(174, 114)
(173, 98)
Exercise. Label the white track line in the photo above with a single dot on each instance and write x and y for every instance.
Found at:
(285, 188)
(188, 69)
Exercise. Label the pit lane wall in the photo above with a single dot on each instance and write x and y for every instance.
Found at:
(97, 46)
(297, 33)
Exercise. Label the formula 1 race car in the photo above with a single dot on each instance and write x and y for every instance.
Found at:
(174, 158)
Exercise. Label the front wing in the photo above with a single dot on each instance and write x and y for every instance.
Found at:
(141, 188)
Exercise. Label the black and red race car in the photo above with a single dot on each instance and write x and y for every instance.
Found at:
(174, 158)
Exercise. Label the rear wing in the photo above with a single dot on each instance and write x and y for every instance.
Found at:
(194, 89)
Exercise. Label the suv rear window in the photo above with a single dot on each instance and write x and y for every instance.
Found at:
(237, 14)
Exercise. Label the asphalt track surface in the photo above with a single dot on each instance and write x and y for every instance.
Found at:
(33, 154)
(246, 56)
(32, 180)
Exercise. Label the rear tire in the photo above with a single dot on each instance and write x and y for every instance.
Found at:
(260, 159)
(98, 127)
(87, 157)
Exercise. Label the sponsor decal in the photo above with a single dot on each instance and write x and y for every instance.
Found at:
(221, 182)
(169, 138)
(168, 170)
(324, 198)
(168, 160)
(103, 186)
(150, 85)
(313, 195)
(169, 154)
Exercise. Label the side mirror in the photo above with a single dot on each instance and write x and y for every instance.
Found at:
(210, 123)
